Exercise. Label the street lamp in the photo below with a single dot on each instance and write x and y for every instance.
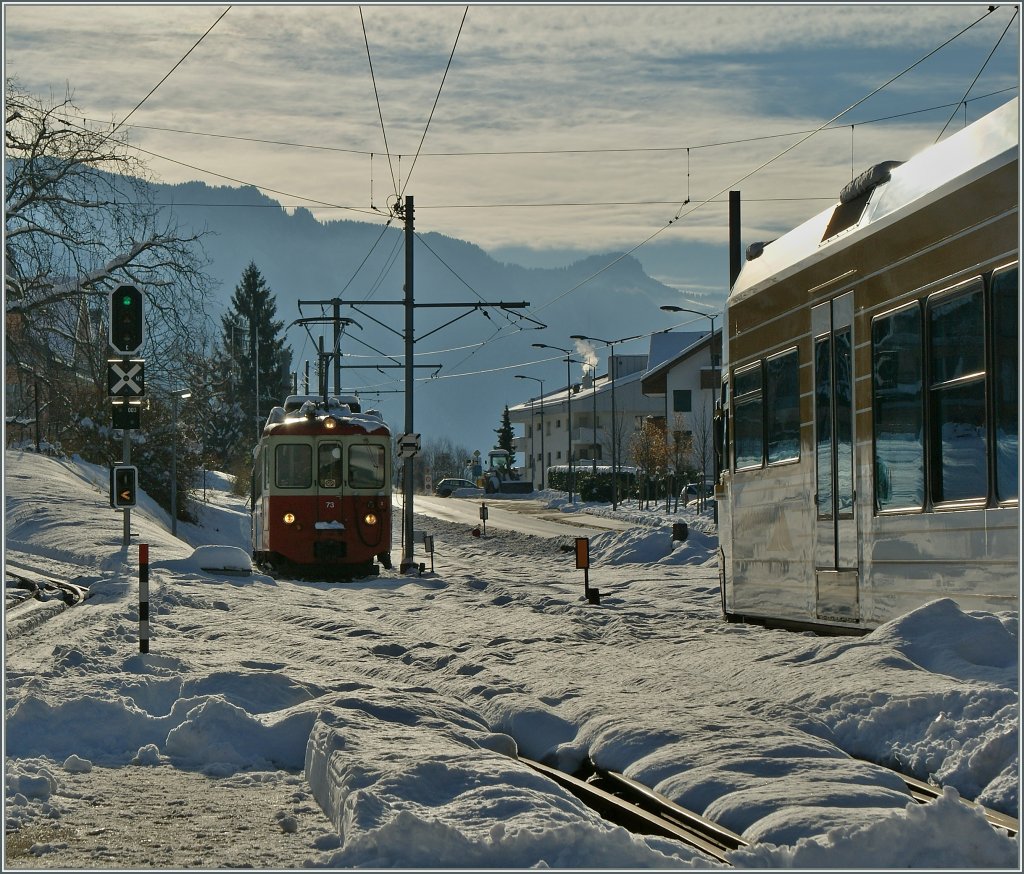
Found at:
(715, 362)
(568, 403)
(611, 370)
(532, 453)
(175, 397)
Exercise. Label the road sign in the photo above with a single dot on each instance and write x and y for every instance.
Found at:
(124, 480)
(126, 378)
(127, 330)
(126, 414)
(408, 445)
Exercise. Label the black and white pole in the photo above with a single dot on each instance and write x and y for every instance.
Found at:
(483, 517)
(583, 563)
(143, 597)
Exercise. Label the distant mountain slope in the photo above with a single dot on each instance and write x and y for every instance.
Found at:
(305, 259)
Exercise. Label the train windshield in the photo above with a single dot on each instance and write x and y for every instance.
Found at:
(329, 465)
(293, 463)
(366, 466)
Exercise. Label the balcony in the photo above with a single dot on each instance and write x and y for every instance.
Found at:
(588, 436)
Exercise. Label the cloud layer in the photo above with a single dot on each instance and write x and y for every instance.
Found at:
(663, 86)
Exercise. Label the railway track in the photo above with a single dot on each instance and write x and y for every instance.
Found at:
(642, 810)
(925, 792)
(32, 598)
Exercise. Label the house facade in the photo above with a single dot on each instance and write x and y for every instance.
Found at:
(687, 385)
(605, 412)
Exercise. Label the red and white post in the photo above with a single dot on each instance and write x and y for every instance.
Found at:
(143, 597)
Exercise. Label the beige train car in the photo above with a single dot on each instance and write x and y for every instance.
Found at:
(870, 397)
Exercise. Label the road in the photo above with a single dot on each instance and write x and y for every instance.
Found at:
(514, 514)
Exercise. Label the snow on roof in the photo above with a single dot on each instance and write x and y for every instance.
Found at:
(696, 341)
(603, 384)
(669, 344)
(980, 147)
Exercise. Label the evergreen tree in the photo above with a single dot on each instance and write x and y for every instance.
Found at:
(505, 437)
(253, 358)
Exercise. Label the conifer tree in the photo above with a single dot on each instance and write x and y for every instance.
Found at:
(253, 360)
(505, 437)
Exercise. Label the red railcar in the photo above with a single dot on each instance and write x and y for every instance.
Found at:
(321, 490)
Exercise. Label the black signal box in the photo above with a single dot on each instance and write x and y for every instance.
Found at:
(124, 481)
(127, 321)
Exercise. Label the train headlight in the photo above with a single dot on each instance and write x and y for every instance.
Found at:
(370, 518)
(289, 518)
(330, 424)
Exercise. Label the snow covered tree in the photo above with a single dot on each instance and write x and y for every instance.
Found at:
(253, 363)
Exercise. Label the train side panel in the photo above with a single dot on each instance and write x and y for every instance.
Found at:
(902, 491)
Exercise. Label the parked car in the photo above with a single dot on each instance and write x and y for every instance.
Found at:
(445, 487)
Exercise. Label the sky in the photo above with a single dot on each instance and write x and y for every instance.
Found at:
(278, 724)
(534, 131)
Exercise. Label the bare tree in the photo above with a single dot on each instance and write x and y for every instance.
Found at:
(442, 457)
(680, 451)
(649, 450)
(703, 446)
(79, 220)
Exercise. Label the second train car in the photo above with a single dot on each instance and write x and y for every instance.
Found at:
(870, 448)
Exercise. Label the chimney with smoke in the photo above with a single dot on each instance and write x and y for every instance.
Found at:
(590, 360)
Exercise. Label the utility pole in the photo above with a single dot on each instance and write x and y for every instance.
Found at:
(407, 545)
(405, 211)
(337, 346)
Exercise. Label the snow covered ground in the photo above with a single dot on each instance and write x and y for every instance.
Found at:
(279, 724)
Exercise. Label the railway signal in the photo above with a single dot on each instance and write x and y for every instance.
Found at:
(125, 414)
(124, 479)
(126, 377)
(127, 330)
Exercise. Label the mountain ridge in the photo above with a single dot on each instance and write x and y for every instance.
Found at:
(362, 263)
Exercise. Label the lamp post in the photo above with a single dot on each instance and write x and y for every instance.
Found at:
(611, 376)
(175, 397)
(568, 404)
(542, 463)
(593, 394)
(715, 362)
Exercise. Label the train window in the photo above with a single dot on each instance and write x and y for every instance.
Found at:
(328, 465)
(725, 462)
(782, 407)
(748, 416)
(1006, 361)
(897, 381)
(294, 465)
(958, 433)
(366, 466)
(823, 423)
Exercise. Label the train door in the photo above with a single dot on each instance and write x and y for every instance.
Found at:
(329, 485)
(836, 535)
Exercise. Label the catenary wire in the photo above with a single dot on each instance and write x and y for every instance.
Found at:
(679, 214)
(380, 112)
(436, 99)
(614, 150)
(175, 67)
(963, 101)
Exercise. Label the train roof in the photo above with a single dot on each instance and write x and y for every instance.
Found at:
(309, 417)
(883, 195)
